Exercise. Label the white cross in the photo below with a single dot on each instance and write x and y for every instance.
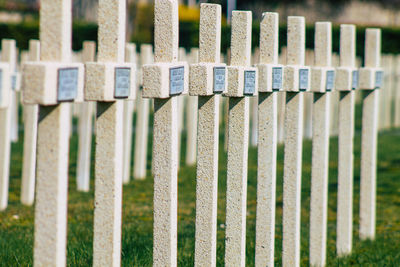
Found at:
(371, 79)
(322, 82)
(296, 80)
(164, 80)
(270, 79)
(242, 82)
(207, 81)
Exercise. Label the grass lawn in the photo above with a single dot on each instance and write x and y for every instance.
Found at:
(16, 223)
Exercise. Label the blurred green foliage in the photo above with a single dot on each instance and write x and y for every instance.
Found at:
(189, 35)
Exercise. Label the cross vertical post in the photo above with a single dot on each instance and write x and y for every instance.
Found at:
(346, 83)
(242, 83)
(207, 81)
(371, 79)
(164, 81)
(296, 81)
(322, 82)
(109, 82)
(270, 79)
(53, 83)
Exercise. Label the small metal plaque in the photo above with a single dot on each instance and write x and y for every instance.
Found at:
(378, 79)
(176, 80)
(277, 78)
(330, 80)
(354, 83)
(14, 81)
(122, 82)
(219, 79)
(303, 79)
(67, 88)
(249, 82)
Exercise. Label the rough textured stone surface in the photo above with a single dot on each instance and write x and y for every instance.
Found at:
(207, 144)
(111, 37)
(269, 30)
(85, 129)
(344, 226)
(266, 178)
(207, 181)
(165, 172)
(52, 186)
(267, 147)
(293, 124)
(236, 195)
(156, 79)
(292, 179)
(369, 138)
(142, 124)
(55, 30)
(319, 178)
(295, 41)
(210, 33)
(238, 139)
(108, 185)
(31, 113)
(100, 81)
(165, 139)
(241, 38)
(321, 107)
(166, 35)
(40, 82)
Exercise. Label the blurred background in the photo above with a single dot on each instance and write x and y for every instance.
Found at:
(19, 19)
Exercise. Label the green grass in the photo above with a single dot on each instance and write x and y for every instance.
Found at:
(16, 223)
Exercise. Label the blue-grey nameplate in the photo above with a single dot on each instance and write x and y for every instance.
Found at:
(354, 83)
(277, 78)
(378, 79)
(67, 88)
(249, 82)
(219, 79)
(303, 79)
(14, 81)
(122, 82)
(330, 80)
(176, 80)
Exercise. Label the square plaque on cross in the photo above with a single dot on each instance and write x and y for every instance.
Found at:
(249, 82)
(122, 82)
(67, 84)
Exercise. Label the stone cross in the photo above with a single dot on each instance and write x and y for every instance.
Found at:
(296, 81)
(31, 113)
(270, 78)
(371, 78)
(53, 83)
(142, 123)
(164, 81)
(7, 67)
(207, 81)
(242, 83)
(130, 56)
(85, 129)
(346, 82)
(109, 81)
(322, 82)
